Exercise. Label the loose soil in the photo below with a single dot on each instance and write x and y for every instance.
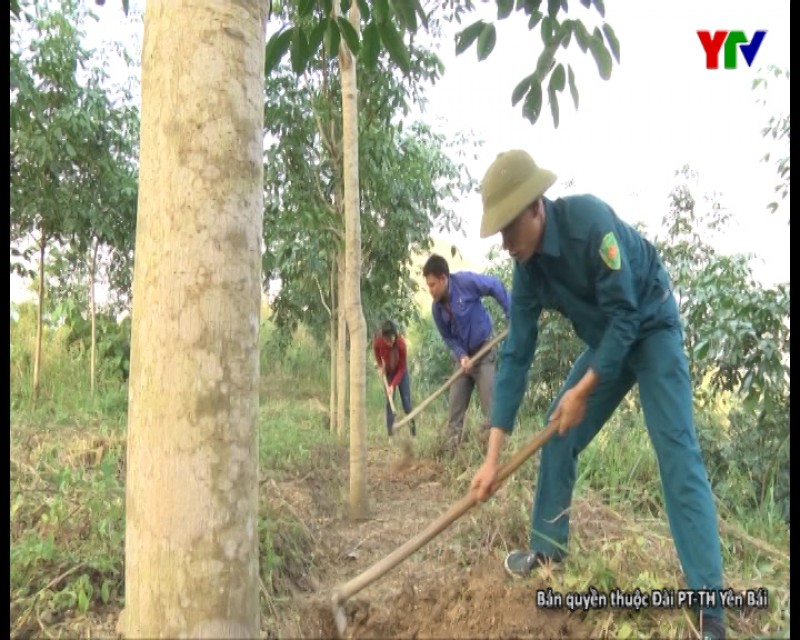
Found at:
(439, 592)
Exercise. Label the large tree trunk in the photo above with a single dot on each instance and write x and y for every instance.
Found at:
(355, 316)
(37, 351)
(341, 348)
(92, 311)
(332, 331)
(191, 539)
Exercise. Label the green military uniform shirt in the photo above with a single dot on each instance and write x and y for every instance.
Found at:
(597, 271)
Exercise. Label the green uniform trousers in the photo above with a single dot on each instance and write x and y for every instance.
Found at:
(658, 363)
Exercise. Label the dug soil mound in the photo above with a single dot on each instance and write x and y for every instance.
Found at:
(441, 591)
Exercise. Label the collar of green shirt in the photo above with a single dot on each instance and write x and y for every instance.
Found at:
(550, 244)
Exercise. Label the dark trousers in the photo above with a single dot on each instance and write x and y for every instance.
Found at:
(482, 376)
(405, 397)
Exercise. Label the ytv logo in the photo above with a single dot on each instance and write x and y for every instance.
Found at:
(733, 41)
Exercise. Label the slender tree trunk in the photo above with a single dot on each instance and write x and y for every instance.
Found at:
(191, 538)
(92, 313)
(359, 502)
(341, 348)
(332, 331)
(37, 352)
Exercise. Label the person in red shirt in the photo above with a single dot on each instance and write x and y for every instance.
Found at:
(390, 356)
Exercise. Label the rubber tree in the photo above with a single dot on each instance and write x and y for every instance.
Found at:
(406, 179)
(191, 542)
(356, 325)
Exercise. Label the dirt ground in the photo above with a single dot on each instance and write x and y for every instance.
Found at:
(435, 593)
(453, 587)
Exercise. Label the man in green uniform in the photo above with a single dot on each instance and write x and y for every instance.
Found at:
(575, 255)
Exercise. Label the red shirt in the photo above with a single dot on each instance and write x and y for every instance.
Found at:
(392, 358)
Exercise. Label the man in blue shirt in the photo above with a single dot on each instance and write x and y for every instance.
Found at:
(465, 326)
(575, 255)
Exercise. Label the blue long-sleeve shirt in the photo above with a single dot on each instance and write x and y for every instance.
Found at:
(597, 271)
(467, 324)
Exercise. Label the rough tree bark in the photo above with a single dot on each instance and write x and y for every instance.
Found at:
(332, 331)
(191, 543)
(341, 349)
(92, 319)
(356, 323)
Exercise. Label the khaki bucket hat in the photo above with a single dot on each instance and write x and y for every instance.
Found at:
(511, 183)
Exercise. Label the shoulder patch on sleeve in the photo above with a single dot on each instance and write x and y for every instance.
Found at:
(609, 251)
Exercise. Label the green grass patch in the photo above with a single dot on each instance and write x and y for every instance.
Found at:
(67, 522)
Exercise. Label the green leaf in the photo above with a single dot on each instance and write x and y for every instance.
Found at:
(534, 19)
(465, 38)
(370, 46)
(299, 50)
(601, 8)
(533, 103)
(504, 8)
(486, 41)
(549, 27)
(276, 48)
(126, 7)
(350, 36)
(701, 349)
(104, 592)
(553, 106)
(521, 89)
(332, 39)
(581, 35)
(552, 7)
(406, 13)
(83, 600)
(394, 44)
(612, 40)
(565, 33)
(315, 39)
(363, 9)
(557, 83)
(624, 632)
(304, 7)
(380, 9)
(573, 89)
(586, 3)
(601, 57)
(558, 79)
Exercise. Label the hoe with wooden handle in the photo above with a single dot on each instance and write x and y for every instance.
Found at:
(389, 396)
(345, 591)
(478, 355)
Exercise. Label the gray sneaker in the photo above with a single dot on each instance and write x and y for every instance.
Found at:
(520, 564)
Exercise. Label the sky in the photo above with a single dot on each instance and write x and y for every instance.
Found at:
(660, 109)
